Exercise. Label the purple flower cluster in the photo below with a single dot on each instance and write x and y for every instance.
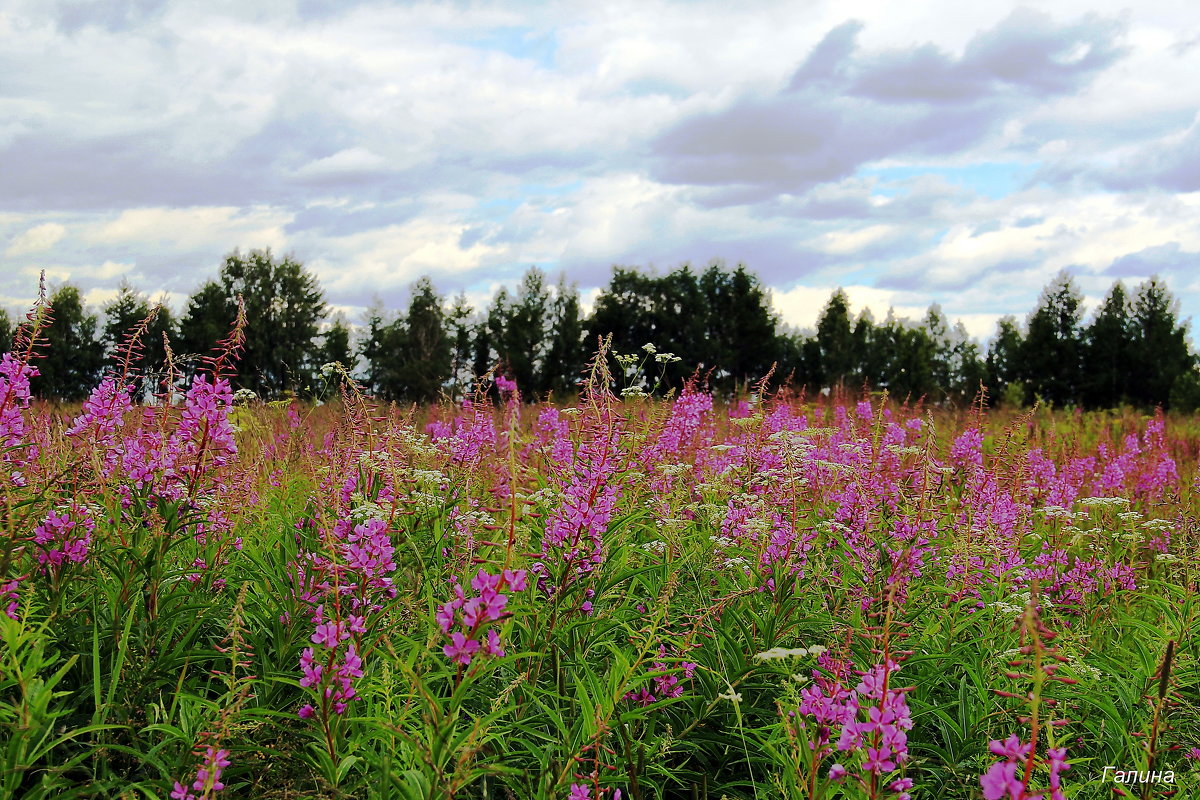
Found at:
(1006, 780)
(146, 458)
(666, 682)
(208, 777)
(575, 531)
(582, 791)
(883, 735)
(64, 537)
(14, 399)
(881, 738)
(472, 613)
(339, 670)
(10, 590)
(101, 420)
(204, 428)
(352, 589)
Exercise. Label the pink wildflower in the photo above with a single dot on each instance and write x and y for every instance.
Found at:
(460, 648)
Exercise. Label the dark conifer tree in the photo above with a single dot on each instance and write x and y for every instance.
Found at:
(6, 331)
(409, 358)
(909, 359)
(682, 322)
(521, 338)
(370, 347)
(206, 320)
(335, 344)
(836, 340)
(969, 372)
(937, 329)
(122, 315)
(284, 308)
(1003, 365)
(1107, 350)
(425, 349)
(868, 371)
(1159, 348)
(1051, 353)
(624, 309)
(565, 356)
(460, 329)
(741, 327)
(489, 333)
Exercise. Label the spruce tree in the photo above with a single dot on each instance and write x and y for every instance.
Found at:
(459, 328)
(335, 344)
(741, 325)
(490, 333)
(1159, 348)
(371, 347)
(910, 364)
(1107, 350)
(835, 340)
(565, 356)
(968, 372)
(207, 320)
(1003, 364)
(284, 308)
(521, 339)
(624, 310)
(423, 360)
(937, 329)
(868, 369)
(1052, 350)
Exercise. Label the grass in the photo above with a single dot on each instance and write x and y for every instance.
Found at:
(656, 552)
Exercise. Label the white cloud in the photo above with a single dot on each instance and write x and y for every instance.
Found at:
(849, 242)
(352, 161)
(396, 255)
(37, 239)
(195, 228)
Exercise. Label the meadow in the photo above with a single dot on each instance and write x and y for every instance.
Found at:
(621, 596)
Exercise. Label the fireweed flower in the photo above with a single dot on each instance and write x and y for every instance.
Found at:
(10, 591)
(14, 399)
(473, 613)
(353, 588)
(208, 777)
(667, 686)
(1005, 779)
(64, 537)
(460, 648)
(102, 418)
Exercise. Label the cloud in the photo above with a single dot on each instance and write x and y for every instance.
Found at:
(1171, 162)
(36, 240)
(943, 151)
(1160, 259)
(189, 229)
(842, 109)
(344, 164)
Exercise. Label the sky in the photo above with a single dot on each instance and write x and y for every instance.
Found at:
(931, 151)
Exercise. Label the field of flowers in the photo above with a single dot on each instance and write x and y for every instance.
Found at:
(617, 597)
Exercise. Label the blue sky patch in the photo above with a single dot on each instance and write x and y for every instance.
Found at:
(521, 42)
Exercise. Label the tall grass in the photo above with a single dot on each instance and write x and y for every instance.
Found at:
(659, 598)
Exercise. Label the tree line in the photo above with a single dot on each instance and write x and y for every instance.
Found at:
(717, 325)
